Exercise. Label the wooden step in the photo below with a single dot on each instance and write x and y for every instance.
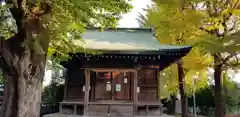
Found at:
(114, 110)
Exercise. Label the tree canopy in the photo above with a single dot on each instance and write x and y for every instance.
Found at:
(173, 26)
(211, 26)
(64, 19)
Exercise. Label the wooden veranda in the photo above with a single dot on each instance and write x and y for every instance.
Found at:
(134, 103)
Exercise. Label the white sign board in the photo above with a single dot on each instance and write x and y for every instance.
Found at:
(125, 80)
(118, 87)
(83, 88)
(138, 89)
(108, 87)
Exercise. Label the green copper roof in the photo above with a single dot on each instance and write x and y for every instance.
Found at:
(124, 39)
(129, 46)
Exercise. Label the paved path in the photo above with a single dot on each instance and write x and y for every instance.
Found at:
(65, 115)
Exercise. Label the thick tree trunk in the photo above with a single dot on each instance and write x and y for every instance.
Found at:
(21, 99)
(184, 100)
(219, 100)
(23, 68)
(9, 101)
(29, 98)
(23, 85)
(22, 94)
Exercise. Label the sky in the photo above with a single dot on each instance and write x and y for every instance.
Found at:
(237, 77)
(129, 20)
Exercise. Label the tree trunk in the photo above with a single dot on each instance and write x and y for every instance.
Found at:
(219, 101)
(172, 105)
(9, 100)
(184, 100)
(23, 85)
(23, 68)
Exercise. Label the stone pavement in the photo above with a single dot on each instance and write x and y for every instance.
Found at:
(65, 115)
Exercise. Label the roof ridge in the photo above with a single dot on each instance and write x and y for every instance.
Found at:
(122, 29)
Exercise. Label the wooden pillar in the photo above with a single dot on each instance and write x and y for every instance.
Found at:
(159, 92)
(86, 92)
(147, 109)
(75, 109)
(92, 91)
(135, 93)
(112, 86)
(60, 108)
(158, 85)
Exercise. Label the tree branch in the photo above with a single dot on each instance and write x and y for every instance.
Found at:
(224, 61)
(235, 5)
(234, 25)
(208, 31)
(17, 12)
(45, 9)
(232, 66)
(237, 59)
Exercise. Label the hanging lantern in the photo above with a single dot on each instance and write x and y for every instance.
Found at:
(107, 75)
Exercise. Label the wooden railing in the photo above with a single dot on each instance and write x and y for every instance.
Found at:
(49, 108)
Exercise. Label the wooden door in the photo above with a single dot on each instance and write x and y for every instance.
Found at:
(148, 85)
(103, 87)
(122, 87)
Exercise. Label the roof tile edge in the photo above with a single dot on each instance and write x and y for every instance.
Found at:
(122, 29)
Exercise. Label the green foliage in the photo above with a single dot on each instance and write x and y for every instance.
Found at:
(221, 27)
(57, 71)
(77, 15)
(169, 81)
(65, 20)
(53, 94)
(6, 27)
(198, 24)
(205, 97)
(204, 100)
(231, 94)
(172, 24)
(211, 26)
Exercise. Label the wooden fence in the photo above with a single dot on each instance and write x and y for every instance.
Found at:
(49, 108)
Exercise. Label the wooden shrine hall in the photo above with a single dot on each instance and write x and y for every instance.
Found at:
(123, 76)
